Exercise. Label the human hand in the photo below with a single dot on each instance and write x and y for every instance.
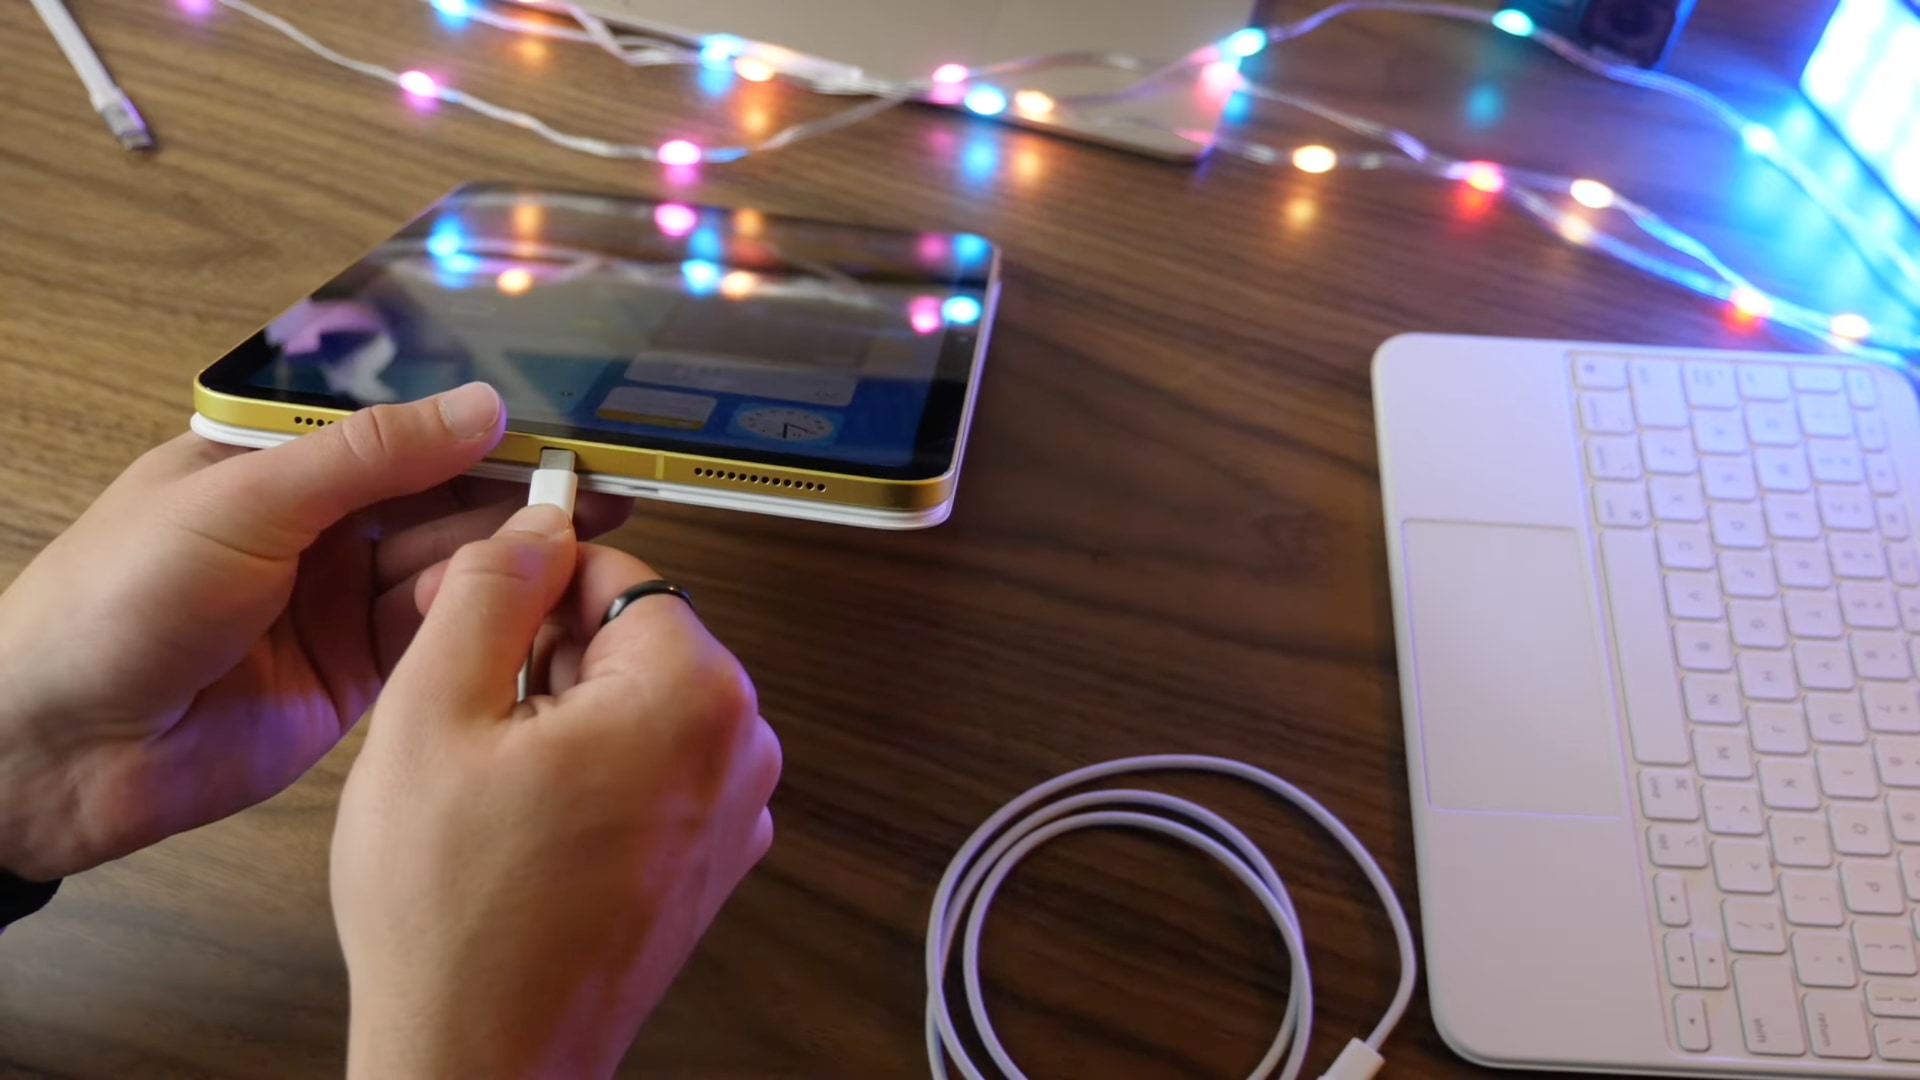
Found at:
(517, 884)
(219, 618)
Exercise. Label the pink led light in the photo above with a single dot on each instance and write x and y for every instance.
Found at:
(950, 74)
(1484, 176)
(419, 84)
(926, 322)
(1221, 75)
(674, 219)
(679, 152)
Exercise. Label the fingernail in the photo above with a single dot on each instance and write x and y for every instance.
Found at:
(471, 411)
(543, 520)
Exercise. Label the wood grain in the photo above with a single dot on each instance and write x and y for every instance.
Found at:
(1168, 539)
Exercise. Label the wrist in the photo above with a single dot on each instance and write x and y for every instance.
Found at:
(389, 1039)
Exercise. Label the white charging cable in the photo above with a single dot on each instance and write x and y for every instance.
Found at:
(975, 875)
(554, 483)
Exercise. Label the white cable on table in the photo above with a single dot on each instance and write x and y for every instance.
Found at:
(111, 102)
(974, 876)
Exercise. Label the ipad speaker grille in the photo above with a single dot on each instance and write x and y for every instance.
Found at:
(759, 480)
(312, 421)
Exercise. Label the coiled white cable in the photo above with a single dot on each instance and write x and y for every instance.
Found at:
(980, 866)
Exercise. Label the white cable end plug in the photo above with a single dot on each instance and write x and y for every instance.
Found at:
(554, 482)
(1357, 1062)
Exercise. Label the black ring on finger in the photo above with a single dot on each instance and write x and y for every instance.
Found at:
(640, 592)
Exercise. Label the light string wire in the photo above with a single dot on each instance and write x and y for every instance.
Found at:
(639, 47)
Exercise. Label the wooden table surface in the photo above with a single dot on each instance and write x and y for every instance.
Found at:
(1168, 538)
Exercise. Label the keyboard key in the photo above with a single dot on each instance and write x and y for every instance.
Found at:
(1893, 708)
(1712, 699)
(1837, 1025)
(1669, 795)
(1677, 847)
(1763, 382)
(1678, 498)
(1606, 412)
(1836, 718)
(1860, 389)
(1881, 476)
(1880, 656)
(1782, 469)
(1803, 566)
(1822, 665)
(1614, 457)
(1769, 1008)
(1710, 385)
(1719, 433)
(1897, 1040)
(1910, 875)
(1825, 416)
(1710, 961)
(1685, 547)
(1758, 624)
(1873, 888)
(1657, 398)
(1738, 525)
(1670, 896)
(1812, 899)
(1834, 461)
(1893, 997)
(1860, 829)
(1791, 517)
(1743, 866)
(1872, 429)
(1722, 754)
(1621, 503)
(1909, 601)
(1703, 646)
(1824, 380)
(1693, 595)
(1754, 926)
(1681, 970)
(1800, 840)
(1847, 773)
(1747, 574)
(1846, 507)
(1645, 653)
(1822, 959)
(1903, 564)
(1778, 729)
(1599, 372)
(1857, 557)
(1789, 784)
(1814, 614)
(1884, 947)
(1669, 452)
(1869, 605)
(1732, 810)
(1899, 762)
(1690, 1023)
(1772, 425)
(1894, 525)
(1904, 808)
(1730, 477)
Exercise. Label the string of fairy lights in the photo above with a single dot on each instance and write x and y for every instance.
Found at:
(1578, 209)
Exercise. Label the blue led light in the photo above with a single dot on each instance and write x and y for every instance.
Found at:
(460, 264)
(445, 240)
(1248, 42)
(720, 49)
(961, 310)
(1865, 77)
(453, 11)
(705, 244)
(702, 275)
(969, 248)
(987, 100)
(1517, 23)
(1759, 138)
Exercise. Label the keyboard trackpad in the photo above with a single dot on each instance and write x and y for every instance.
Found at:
(1515, 711)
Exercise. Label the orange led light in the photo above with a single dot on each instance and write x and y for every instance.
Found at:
(514, 282)
(1033, 103)
(753, 70)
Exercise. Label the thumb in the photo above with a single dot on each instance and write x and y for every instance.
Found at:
(493, 600)
(274, 502)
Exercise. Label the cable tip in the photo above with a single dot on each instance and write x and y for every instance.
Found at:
(1357, 1062)
(125, 123)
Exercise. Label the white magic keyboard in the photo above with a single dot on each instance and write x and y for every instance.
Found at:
(1754, 541)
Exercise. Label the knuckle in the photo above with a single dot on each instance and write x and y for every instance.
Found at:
(501, 560)
(369, 435)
